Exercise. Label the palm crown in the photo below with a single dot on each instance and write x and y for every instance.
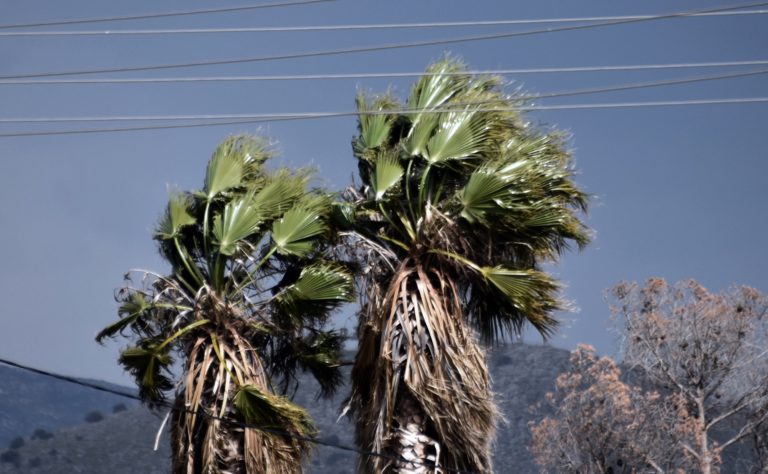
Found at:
(244, 304)
(460, 201)
(457, 176)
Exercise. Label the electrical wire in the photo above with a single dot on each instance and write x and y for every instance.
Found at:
(550, 95)
(370, 26)
(314, 440)
(374, 75)
(283, 118)
(384, 47)
(163, 15)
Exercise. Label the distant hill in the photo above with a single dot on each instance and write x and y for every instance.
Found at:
(29, 402)
(122, 442)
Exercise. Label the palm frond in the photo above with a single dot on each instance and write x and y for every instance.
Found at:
(531, 292)
(322, 283)
(295, 233)
(175, 217)
(386, 173)
(131, 310)
(149, 368)
(225, 169)
(459, 135)
(482, 194)
(374, 127)
(319, 354)
(270, 411)
(239, 219)
(280, 192)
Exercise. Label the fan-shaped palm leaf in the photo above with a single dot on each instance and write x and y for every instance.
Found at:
(176, 216)
(239, 219)
(319, 283)
(387, 172)
(458, 135)
(296, 231)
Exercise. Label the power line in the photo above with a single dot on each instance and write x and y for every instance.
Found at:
(314, 440)
(364, 49)
(164, 14)
(374, 75)
(283, 118)
(370, 26)
(550, 95)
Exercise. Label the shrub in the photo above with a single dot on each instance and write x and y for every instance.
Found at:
(94, 417)
(40, 433)
(17, 442)
(11, 456)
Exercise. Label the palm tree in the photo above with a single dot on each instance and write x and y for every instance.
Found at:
(243, 308)
(460, 202)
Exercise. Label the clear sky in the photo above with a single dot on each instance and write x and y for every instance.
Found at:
(678, 191)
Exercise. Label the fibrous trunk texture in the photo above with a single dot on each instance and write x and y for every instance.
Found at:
(422, 390)
(207, 433)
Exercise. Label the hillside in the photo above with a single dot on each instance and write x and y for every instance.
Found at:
(122, 442)
(30, 401)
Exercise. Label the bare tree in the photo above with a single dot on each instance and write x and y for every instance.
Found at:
(705, 358)
(707, 349)
(601, 424)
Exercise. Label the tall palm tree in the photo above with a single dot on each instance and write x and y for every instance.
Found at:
(460, 202)
(243, 308)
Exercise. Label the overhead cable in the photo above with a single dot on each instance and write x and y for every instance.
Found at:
(375, 75)
(522, 97)
(369, 26)
(365, 49)
(265, 429)
(321, 115)
(147, 16)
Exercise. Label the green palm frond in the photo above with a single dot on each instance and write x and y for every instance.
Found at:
(374, 127)
(281, 191)
(530, 291)
(149, 368)
(459, 135)
(270, 411)
(482, 194)
(129, 312)
(175, 217)
(296, 232)
(321, 283)
(239, 219)
(386, 173)
(225, 170)
(319, 354)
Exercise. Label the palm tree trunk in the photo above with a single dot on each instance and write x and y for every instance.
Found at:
(417, 453)
(207, 433)
(421, 385)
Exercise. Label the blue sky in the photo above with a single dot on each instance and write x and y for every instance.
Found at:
(678, 192)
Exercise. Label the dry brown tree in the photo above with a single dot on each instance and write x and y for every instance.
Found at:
(703, 355)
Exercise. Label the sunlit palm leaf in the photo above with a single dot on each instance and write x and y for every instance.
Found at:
(239, 219)
(530, 291)
(375, 126)
(280, 193)
(459, 135)
(176, 216)
(296, 231)
(225, 170)
(387, 172)
(482, 193)
(270, 411)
